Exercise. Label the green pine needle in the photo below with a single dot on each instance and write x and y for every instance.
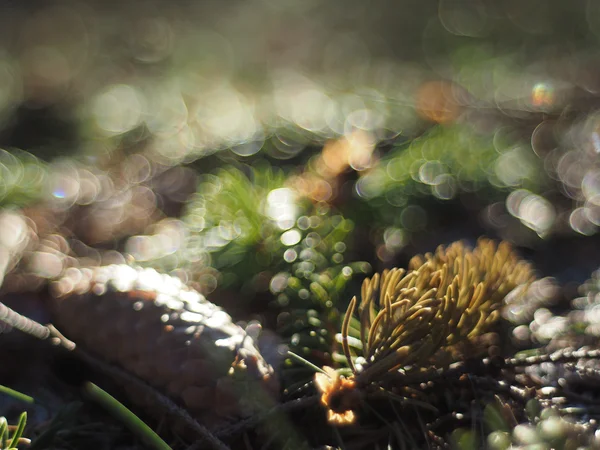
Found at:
(10, 443)
(305, 362)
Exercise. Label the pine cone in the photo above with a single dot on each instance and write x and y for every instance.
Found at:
(167, 334)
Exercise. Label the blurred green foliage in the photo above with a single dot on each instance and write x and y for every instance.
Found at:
(450, 160)
(23, 178)
(262, 236)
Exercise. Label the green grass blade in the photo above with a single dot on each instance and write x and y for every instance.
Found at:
(16, 394)
(129, 419)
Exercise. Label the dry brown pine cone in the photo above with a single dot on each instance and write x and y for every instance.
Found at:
(167, 334)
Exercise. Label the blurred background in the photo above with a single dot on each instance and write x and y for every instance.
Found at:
(183, 135)
(218, 140)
